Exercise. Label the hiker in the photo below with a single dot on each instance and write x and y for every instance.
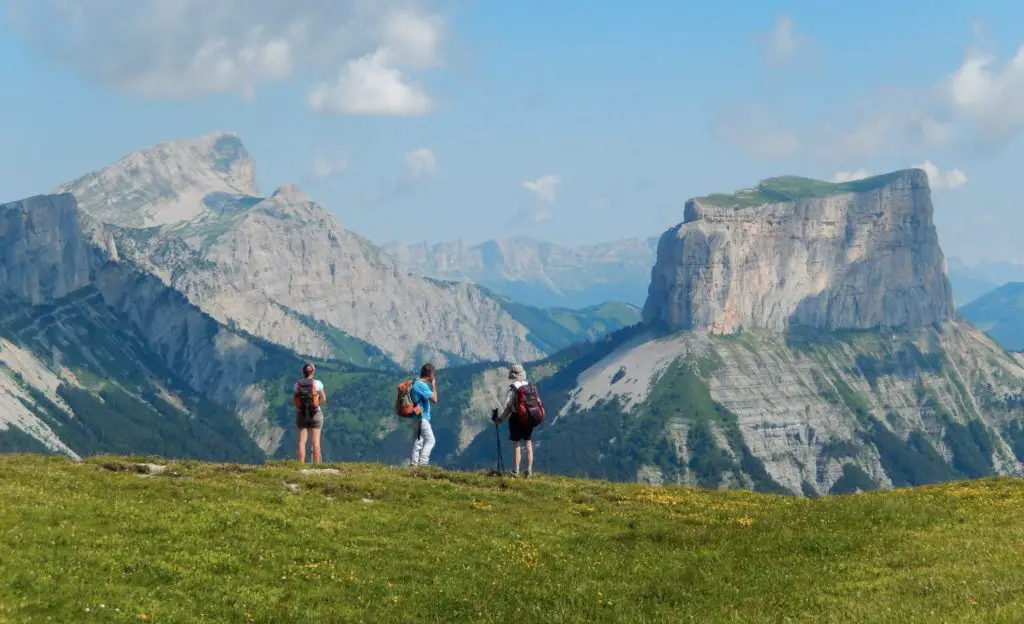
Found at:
(423, 393)
(524, 417)
(307, 396)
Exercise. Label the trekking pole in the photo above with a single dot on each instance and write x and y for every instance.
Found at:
(501, 459)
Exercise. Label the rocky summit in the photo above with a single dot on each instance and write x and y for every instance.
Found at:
(795, 252)
(166, 183)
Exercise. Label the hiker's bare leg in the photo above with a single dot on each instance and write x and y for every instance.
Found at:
(301, 450)
(315, 435)
(529, 456)
(515, 456)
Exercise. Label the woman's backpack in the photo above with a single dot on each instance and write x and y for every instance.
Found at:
(404, 407)
(306, 399)
(528, 405)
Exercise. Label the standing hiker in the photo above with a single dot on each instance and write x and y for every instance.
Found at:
(524, 411)
(423, 393)
(307, 396)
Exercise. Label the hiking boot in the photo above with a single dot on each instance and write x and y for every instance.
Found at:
(528, 472)
(514, 473)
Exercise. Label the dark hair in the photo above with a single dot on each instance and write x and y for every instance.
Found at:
(307, 370)
(427, 370)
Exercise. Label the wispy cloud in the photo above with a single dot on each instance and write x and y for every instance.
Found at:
(421, 162)
(976, 104)
(782, 44)
(849, 176)
(544, 188)
(324, 167)
(937, 179)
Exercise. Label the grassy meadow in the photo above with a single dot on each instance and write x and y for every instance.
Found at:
(96, 541)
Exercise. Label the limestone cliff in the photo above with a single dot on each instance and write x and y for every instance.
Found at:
(43, 255)
(73, 310)
(797, 252)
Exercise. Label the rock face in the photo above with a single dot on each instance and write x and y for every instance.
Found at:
(908, 408)
(282, 267)
(43, 255)
(539, 273)
(797, 252)
(71, 305)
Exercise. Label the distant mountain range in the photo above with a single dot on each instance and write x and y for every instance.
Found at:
(538, 273)
(972, 281)
(1000, 314)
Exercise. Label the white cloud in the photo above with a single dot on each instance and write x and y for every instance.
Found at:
(849, 176)
(324, 168)
(988, 97)
(183, 49)
(952, 179)
(529, 214)
(782, 44)
(421, 162)
(376, 84)
(545, 188)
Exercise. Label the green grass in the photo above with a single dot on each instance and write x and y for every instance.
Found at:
(230, 543)
(792, 188)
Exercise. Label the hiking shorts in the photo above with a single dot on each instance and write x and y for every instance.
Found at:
(317, 422)
(518, 431)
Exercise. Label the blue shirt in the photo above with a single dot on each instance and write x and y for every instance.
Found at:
(421, 394)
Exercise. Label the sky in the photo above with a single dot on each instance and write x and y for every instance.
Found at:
(470, 120)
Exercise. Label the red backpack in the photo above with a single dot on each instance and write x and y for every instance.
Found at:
(528, 405)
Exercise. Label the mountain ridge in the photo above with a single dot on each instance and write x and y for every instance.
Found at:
(248, 260)
(540, 273)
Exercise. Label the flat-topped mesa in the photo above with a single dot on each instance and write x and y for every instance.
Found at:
(799, 252)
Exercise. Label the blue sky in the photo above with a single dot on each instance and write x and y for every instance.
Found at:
(459, 119)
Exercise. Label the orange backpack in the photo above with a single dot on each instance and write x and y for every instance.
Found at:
(404, 407)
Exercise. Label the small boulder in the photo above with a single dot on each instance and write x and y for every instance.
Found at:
(320, 471)
(150, 469)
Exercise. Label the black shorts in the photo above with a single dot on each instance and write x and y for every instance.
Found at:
(518, 431)
(316, 423)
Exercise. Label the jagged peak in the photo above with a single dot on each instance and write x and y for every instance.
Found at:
(166, 182)
(291, 193)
